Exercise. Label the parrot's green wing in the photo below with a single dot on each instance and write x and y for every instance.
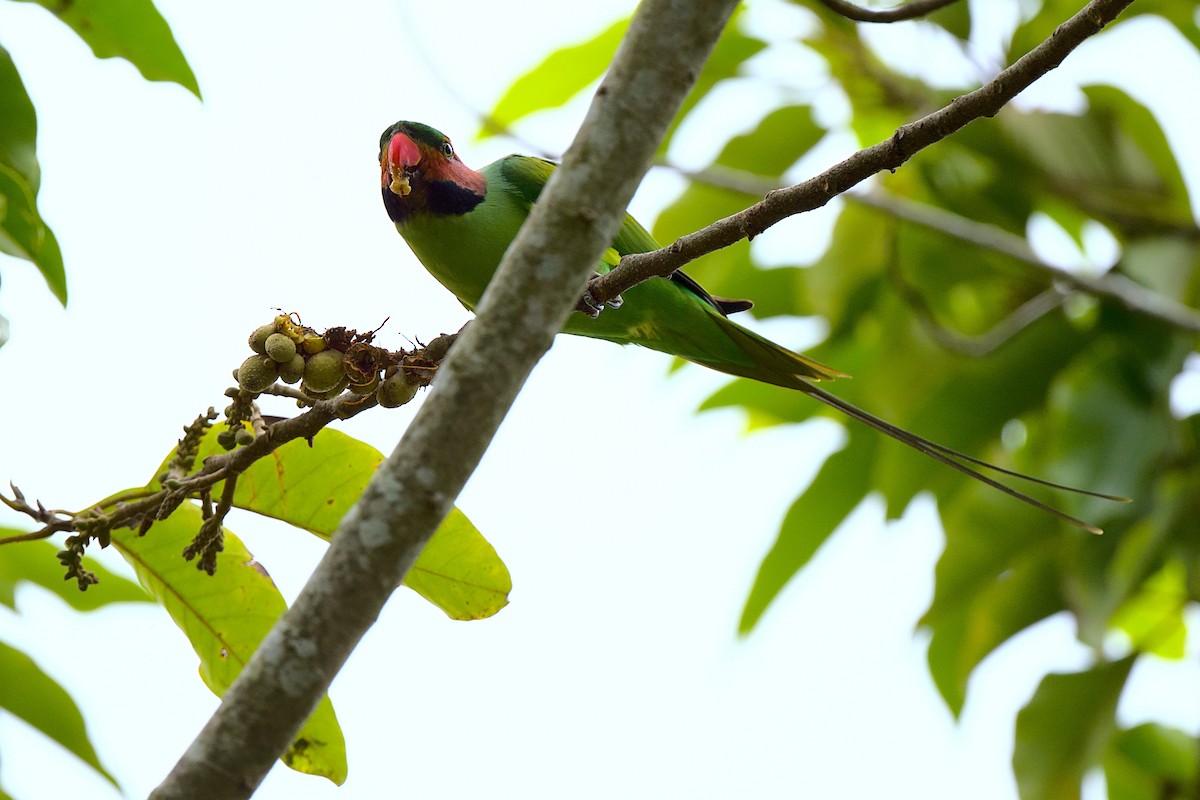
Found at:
(528, 175)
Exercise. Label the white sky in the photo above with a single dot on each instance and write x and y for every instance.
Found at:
(632, 527)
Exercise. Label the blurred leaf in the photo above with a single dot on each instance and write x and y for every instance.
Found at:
(776, 143)
(1038, 27)
(733, 49)
(36, 563)
(225, 616)
(1113, 162)
(881, 99)
(1150, 762)
(1153, 618)
(33, 696)
(1065, 728)
(569, 70)
(313, 486)
(839, 487)
(989, 586)
(23, 234)
(1169, 265)
(562, 75)
(129, 29)
(954, 19)
(18, 124)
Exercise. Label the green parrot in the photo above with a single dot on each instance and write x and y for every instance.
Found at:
(459, 222)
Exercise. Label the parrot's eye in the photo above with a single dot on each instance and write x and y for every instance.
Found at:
(447, 150)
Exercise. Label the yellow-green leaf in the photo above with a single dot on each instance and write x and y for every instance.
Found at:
(561, 76)
(312, 487)
(225, 616)
(1153, 617)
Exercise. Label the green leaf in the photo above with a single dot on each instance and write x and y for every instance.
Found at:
(997, 576)
(129, 29)
(312, 487)
(1153, 617)
(1065, 728)
(839, 487)
(562, 75)
(1150, 762)
(955, 19)
(23, 233)
(18, 124)
(32, 695)
(36, 563)
(225, 616)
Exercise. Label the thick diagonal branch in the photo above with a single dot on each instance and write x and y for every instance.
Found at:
(526, 304)
(888, 155)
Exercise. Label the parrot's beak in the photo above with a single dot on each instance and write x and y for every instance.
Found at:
(397, 162)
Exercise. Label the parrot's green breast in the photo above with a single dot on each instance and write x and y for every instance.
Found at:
(462, 251)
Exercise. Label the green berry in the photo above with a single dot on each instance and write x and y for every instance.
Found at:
(257, 373)
(243, 437)
(293, 370)
(324, 370)
(437, 349)
(280, 347)
(258, 339)
(395, 391)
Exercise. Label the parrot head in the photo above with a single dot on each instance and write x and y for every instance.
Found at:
(420, 173)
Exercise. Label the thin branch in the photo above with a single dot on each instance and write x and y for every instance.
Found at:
(917, 8)
(985, 343)
(888, 155)
(1113, 286)
(526, 304)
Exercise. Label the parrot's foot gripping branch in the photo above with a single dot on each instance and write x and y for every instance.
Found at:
(589, 305)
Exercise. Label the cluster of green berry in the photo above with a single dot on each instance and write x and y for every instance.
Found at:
(292, 353)
(325, 365)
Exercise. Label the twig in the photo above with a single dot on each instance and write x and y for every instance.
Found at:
(1112, 286)
(888, 155)
(141, 507)
(917, 8)
(526, 304)
(980, 345)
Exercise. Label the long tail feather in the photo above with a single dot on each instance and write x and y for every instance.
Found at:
(954, 459)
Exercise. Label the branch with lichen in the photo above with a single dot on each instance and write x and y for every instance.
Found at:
(364, 376)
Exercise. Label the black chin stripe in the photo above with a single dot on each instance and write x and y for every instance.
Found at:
(446, 197)
(397, 209)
